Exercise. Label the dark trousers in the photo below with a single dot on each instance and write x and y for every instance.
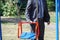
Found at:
(41, 27)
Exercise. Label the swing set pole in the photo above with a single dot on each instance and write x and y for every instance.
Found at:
(57, 29)
(0, 30)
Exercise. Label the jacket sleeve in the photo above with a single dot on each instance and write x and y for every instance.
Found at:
(29, 3)
(46, 14)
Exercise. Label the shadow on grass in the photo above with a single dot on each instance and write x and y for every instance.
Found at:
(12, 20)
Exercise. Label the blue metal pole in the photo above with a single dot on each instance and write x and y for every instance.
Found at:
(57, 30)
(0, 30)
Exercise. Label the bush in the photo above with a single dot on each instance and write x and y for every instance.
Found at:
(1, 10)
(9, 10)
(9, 7)
(51, 5)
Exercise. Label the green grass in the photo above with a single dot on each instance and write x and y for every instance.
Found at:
(52, 17)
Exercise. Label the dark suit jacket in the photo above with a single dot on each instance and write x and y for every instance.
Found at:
(31, 12)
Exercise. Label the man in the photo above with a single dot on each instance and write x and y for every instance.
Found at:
(36, 10)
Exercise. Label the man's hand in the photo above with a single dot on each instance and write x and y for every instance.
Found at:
(29, 21)
(48, 22)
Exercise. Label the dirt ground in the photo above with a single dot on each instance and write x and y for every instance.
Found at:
(9, 31)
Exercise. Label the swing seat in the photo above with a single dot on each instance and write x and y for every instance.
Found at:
(27, 35)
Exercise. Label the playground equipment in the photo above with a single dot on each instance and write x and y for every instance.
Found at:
(57, 28)
(0, 33)
(0, 30)
(28, 35)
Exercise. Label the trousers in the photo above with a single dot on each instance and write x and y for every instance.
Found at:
(41, 29)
